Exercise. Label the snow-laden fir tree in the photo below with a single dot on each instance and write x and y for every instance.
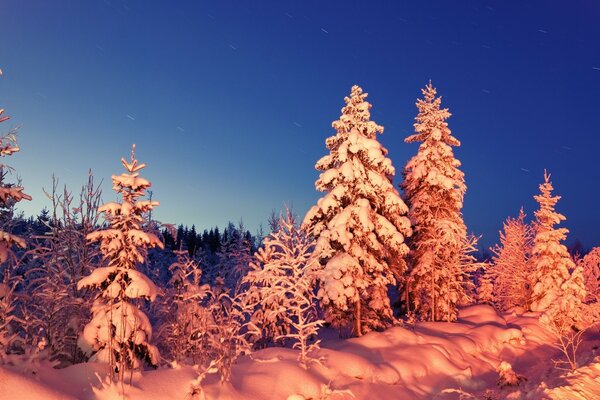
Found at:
(434, 189)
(360, 224)
(551, 261)
(485, 287)
(511, 268)
(281, 287)
(558, 287)
(10, 194)
(119, 332)
(591, 274)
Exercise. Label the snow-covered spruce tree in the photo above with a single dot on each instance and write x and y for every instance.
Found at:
(281, 287)
(119, 331)
(485, 287)
(511, 267)
(591, 274)
(434, 188)
(360, 225)
(558, 284)
(10, 194)
(551, 261)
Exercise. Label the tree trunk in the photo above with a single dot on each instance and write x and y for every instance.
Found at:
(357, 322)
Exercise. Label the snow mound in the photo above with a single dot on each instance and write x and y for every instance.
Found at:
(424, 361)
(583, 384)
(14, 386)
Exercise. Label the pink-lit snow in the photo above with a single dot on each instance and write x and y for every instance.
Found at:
(428, 360)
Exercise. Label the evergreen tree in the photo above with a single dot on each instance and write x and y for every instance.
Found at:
(10, 194)
(360, 224)
(551, 260)
(234, 256)
(591, 273)
(485, 288)
(511, 269)
(434, 188)
(119, 331)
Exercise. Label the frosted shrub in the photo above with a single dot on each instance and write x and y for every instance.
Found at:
(281, 288)
(10, 194)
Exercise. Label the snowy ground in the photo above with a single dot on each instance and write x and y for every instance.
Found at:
(429, 361)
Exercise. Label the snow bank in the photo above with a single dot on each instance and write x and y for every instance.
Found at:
(14, 386)
(583, 384)
(428, 360)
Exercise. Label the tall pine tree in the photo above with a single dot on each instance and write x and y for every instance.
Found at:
(551, 259)
(360, 224)
(434, 188)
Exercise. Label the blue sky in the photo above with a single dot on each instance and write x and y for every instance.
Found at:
(230, 102)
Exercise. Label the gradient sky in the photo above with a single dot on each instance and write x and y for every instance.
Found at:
(230, 102)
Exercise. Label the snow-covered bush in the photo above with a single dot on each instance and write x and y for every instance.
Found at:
(434, 189)
(119, 331)
(568, 317)
(228, 335)
(511, 268)
(9, 338)
(281, 288)
(506, 375)
(196, 391)
(185, 320)
(360, 224)
(62, 257)
(591, 274)
(10, 194)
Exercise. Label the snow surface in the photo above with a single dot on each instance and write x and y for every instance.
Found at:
(428, 360)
